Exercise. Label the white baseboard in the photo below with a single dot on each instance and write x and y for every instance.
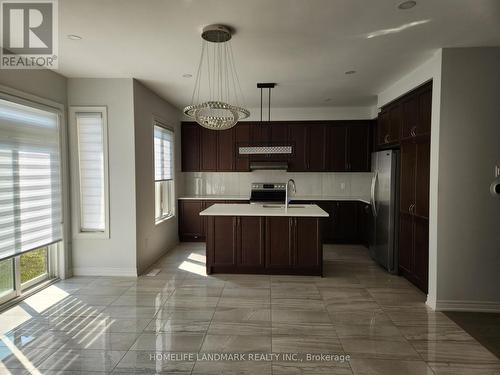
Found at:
(104, 271)
(472, 306)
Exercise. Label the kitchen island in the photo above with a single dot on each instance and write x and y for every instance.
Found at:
(264, 239)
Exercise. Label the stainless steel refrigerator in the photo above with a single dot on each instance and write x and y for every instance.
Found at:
(384, 201)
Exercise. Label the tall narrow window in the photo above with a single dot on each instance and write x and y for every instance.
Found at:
(164, 172)
(92, 168)
(30, 184)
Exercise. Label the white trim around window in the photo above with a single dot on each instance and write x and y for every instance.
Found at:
(87, 224)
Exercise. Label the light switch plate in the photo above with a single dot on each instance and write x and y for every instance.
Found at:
(342, 186)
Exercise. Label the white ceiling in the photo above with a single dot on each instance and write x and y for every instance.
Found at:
(303, 45)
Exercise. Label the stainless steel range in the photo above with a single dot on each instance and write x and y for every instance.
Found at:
(263, 192)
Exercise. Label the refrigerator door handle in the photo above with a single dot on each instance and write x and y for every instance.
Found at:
(372, 197)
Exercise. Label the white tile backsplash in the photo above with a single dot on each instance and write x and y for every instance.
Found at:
(310, 184)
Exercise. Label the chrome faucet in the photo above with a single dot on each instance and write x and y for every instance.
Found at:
(290, 183)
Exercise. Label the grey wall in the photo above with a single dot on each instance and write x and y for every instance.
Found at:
(43, 83)
(117, 254)
(153, 240)
(468, 257)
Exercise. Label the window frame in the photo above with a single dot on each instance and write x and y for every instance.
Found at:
(162, 124)
(78, 230)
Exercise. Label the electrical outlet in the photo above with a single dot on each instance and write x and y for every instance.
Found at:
(497, 171)
(342, 186)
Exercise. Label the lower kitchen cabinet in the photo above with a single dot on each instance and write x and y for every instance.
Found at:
(308, 253)
(191, 224)
(278, 242)
(250, 242)
(414, 249)
(281, 245)
(348, 221)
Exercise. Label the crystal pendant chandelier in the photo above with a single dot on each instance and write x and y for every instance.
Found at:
(217, 94)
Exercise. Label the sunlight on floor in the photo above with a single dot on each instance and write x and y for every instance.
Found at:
(193, 268)
(20, 357)
(46, 298)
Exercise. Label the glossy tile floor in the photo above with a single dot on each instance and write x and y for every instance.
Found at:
(116, 325)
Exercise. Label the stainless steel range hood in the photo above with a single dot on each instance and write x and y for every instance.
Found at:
(268, 165)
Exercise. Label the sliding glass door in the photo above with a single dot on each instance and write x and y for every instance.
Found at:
(30, 194)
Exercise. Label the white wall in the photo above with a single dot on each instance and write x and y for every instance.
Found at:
(431, 69)
(117, 254)
(47, 87)
(468, 257)
(152, 240)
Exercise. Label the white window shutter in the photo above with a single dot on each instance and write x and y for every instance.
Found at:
(90, 133)
(30, 181)
(163, 153)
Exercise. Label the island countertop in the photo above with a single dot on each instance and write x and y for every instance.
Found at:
(294, 210)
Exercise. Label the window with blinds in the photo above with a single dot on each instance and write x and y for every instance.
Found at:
(30, 179)
(92, 168)
(164, 172)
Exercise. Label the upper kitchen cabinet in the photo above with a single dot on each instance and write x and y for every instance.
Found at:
(338, 146)
(417, 112)
(190, 145)
(389, 125)
(406, 118)
(297, 137)
(241, 138)
(209, 150)
(349, 146)
(316, 161)
(226, 150)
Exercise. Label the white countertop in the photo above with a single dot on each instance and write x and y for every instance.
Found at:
(216, 197)
(237, 209)
(293, 198)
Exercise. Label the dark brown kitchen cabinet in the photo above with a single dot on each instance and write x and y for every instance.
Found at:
(337, 142)
(208, 155)
(358, 147)
(241, 139)
(389, 125)
(345, 229)
(259, 134)
(308, 253)
(297, 137)
(414, 211)
(407, 177)
(316, 161)
(364, 221)
(417, 112)
(383, 127)
(190, 147)
(272, 245)
(349, 147)
(316, 146)
(225, 150)
(406, 240)
(278, 242)
(222, 230)
(250, 242)
(191, 225)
